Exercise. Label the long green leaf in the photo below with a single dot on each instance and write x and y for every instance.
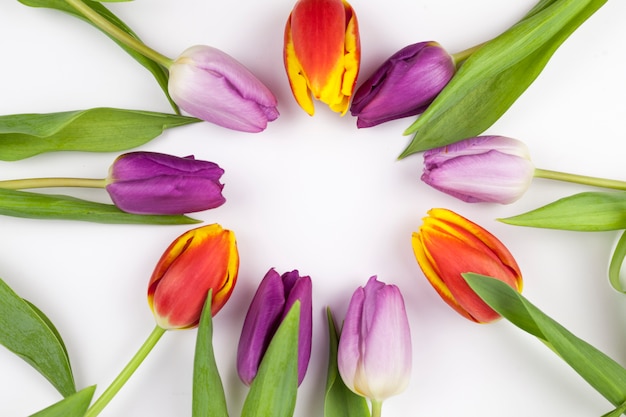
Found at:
(208, 398)
(274, 389)
(588, 212)
(601, 372)
(73, 406)
(617, 412)
(99, 129)
(339, 400)
(160, 74)
(46, 206)
(25, 331)
(492, 78)
(615, 265)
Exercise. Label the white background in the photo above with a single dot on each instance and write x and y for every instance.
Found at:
(314, 194)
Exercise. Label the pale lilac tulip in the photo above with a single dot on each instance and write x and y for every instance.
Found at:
(374, 353)
(272, 301)
(156, 183)
(492, 169)
(404, 85)
(211, 85)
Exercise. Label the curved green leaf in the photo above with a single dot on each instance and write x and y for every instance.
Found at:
(160, 74)
(588, 212)
(100, 129)
(274, 389)
(601, 372)
(493, 77)
(339, 400)
(73, 406)
(616, 264)
(25, 331)
(208, 398)
(60, 207)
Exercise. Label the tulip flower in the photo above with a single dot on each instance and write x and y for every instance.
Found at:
(200, 260)
(272, 301)
(493, 169)
(374, 352)
(156, 183)
(322, 53)
(404, 85)
(211, 85)
(448, 245)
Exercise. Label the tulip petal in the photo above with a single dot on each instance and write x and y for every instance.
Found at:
(201, 259)
(387, 353)
(211, 85)
(260, 325)
(448, 245)
(322, 53)
(488, 177)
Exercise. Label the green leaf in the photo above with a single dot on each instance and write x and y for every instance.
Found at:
(47, 206)
(208, 399)
(73, 406)
(160, 74)
(493, 77)
(616, 264)
(588, 212)
(99, 129)
(274, 389)
(601, 372)
(339, 400)
(617, 412)
(26, 331)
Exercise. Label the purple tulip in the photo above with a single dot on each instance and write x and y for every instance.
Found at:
(374, 353)
(271, 303)
(156, 183)
(492, 169)
(211, 85)
(404, 85)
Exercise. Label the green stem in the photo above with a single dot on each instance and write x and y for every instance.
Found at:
(580, 179)
(459, 57)
(52, 182)
(377, 407)
(128, 370)
(118, 34)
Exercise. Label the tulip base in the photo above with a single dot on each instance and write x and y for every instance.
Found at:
(126, 373)
(377, 407)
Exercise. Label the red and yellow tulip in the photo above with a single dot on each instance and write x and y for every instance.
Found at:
(199, 260)
(448, 245)
(322, 53)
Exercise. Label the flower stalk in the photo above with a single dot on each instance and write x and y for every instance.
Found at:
(24, 183)
(118, 34)
(126, 373)
(461, 56)
(580, 179)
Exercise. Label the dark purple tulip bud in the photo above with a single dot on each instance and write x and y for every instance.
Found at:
(404, 85)
(156, 183)
(271, 303)
(213, 86)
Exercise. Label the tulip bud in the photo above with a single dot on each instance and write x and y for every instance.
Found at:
(156, 183)
(374, 352)
(199, 260)
(272, 301)
(404, 85)
(322, 53)
(492, 169)
(448, 245)
(211, 85)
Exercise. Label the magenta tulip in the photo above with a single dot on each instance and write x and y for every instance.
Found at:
(272, 301)
(156, 183)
